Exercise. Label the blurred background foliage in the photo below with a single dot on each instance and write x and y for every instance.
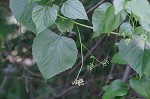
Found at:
(19, 74)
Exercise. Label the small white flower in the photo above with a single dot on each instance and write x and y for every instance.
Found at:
(78, 82)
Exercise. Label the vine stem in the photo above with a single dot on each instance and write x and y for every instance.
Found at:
(3, 82)
(92, 54)
(114, 33)
(47, 3)
(82, 58)
(83, 25)
(86, 26)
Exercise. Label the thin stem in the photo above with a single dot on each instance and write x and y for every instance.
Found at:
(83, 25)
(50, 1)
(60, 4)
(92, 54)
(99, 3)
(47, 3)
(114, 33)
(81, 53)
(3, 82)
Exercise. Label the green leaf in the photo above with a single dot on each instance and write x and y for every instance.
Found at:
(117, 58)
(43, 17)
(56, 7)
(140, 8)
(22, 11)
(137, 54)
(119, 5)
(116, 88)
(65, 25)
(98, 18)
(144, 33)
(106, 87)
(104, 17)
(141, 86)
(140, 30)
(74, 9)
(53, 53)
(126, 29)
(30, 1)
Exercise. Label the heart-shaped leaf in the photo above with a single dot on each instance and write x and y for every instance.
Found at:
(74, 9)
(126, 29)
(65, 25)
(53, 53)
(43, 17)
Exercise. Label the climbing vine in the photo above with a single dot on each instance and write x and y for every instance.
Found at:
(55, 53)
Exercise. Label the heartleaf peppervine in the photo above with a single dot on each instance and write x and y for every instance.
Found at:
(130, 17)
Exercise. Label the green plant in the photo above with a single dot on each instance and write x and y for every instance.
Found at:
(54, 53)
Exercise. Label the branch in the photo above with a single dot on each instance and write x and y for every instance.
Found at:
(126, 73)
(65, 91)
(98, 4)
(3, 82)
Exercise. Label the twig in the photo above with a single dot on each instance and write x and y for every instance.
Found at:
(99, 3)
(32, 73)
(110, 73)
(65, 91)
(4, 82)
(112, 68)
(126, 73)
